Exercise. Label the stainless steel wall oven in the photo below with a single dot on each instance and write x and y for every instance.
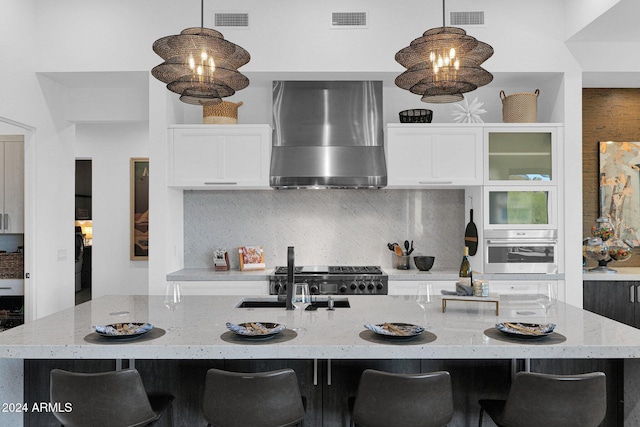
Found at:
(521, 251)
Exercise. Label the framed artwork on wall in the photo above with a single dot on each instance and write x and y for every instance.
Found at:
(620, 188)
(139, 191)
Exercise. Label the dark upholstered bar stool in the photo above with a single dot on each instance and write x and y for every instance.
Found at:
(407, 400)
(264, 399)
(536, 400)
(106, 399)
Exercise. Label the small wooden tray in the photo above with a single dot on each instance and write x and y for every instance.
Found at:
(493, 299)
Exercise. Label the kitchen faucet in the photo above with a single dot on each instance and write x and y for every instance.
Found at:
(290, 277)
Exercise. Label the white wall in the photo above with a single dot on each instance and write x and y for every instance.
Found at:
(290, 36)
(110, 147)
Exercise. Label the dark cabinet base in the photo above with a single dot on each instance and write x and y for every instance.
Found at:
(326, 385)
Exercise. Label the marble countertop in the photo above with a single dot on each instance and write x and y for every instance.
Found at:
(438, 274)
(622, 274)
(209, 274)
(324, 334)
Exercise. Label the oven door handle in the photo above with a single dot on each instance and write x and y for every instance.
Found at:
(522, 242)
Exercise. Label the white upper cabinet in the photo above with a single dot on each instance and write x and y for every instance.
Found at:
(216, 157)
(424, 155)
(521, 155)
(12, 185)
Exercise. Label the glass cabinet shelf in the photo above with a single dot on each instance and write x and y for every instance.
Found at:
(520, 156)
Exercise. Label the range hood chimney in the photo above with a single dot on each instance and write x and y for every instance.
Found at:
(327, 135)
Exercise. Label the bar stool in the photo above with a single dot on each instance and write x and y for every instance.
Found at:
(550, 400)
(408, 400)
(105, 399)
(264, 399)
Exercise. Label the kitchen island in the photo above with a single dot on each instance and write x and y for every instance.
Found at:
(326, 348)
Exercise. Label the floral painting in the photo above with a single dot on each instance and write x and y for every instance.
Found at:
(620, 188)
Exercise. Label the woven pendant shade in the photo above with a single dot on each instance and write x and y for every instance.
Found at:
(195, 40)
(179, 77)
(200, 65)
(443, 64)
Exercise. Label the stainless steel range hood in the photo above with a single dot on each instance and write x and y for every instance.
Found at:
(327, 135)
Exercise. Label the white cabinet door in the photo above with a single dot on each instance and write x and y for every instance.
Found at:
(13, 220)
(231, 287)
(425, 156)
(220, 157)
(11, 185)
(410, 287)
(521, 155)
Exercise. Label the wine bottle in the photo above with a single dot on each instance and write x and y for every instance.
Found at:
(465, 268)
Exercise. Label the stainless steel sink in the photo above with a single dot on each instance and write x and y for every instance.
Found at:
(318, 302)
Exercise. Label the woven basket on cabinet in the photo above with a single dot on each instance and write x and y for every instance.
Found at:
(520, 107)
(11, 265)
(224, 113)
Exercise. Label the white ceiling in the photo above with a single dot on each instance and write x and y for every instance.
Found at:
(618, 24)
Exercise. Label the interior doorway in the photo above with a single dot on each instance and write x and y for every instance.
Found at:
(83, 230)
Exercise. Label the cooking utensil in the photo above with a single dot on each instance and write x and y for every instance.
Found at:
(398, 250)
(410, 249)
(406, 247)
(471, 233)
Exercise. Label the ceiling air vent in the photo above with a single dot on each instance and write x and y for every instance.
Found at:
(466, 18)
(349, 20)
(232, 20)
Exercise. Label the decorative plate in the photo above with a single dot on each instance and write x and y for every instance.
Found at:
(526, 330)
(256, 329)
(396, 330)
(123, 330)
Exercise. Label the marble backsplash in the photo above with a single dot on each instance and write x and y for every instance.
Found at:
(326, 227)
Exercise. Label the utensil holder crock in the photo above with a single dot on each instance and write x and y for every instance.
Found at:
(401, 262)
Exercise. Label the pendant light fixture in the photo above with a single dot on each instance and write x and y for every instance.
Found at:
(443, 64)
(200, 65)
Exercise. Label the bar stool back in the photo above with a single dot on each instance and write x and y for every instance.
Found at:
(408, 400)
(105, 399)
(537, 399)
(264, 399)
